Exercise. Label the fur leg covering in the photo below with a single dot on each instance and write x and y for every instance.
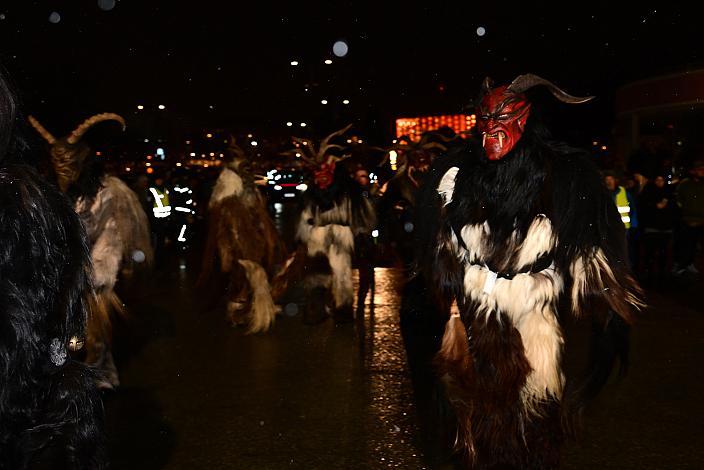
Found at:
(341, 264)
(318, 287)
(263, 311)
(99, 336)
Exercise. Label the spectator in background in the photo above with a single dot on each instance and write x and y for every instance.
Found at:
(160, 216)
(627, 209)
(364, 245)
(656, 210)
(690, 200)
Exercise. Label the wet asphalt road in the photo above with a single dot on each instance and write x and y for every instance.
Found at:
(198, 394)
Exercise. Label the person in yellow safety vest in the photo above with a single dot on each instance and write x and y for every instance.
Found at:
(623, 206)
(158, 195)
(627, 209)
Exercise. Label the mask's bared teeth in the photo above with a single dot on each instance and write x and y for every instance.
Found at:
(501, 139)
(484, 139)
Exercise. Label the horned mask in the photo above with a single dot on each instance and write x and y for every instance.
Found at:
(504, 110)
(68, 153)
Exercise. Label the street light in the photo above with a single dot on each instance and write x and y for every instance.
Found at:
(139, 106)
(254, 143)
(161, 106)
(328, 61)
(294, 62)
(303, 124)
(345, 101)
(289, 124)
(323, 101)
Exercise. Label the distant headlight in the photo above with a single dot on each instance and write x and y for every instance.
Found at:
(302, 187)
(278, 187)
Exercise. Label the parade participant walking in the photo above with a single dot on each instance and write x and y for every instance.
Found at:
(334, 212)
(243, 245)
(118, 231)
(510, 223)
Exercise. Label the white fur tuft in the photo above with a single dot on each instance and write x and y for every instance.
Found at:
(228, 184)
(528, 300)
(539, 240)
(263, 311)
(446, 188)
(336, 242)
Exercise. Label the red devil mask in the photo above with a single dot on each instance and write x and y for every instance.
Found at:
(503, 112)
(502, 120)
(324, 175)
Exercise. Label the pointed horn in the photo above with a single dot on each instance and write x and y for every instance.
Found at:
(307, 150)
(529, 80)
(324, 147)
(307, 147)
(77, 133)
(42, 131)
(324, 151)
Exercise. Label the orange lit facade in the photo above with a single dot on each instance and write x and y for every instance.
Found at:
(415, 127)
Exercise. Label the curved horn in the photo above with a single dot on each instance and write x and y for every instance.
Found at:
(42, 131)
(529, 80)
(324, 147)
(307, 150)
(78, 132)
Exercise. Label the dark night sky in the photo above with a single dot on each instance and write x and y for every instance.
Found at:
(405, 58)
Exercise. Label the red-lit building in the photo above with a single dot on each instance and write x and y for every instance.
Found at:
(416, 126)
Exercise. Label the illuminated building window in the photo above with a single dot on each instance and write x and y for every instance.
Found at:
(415, 127)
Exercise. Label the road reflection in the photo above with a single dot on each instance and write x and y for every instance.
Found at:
(392, 418)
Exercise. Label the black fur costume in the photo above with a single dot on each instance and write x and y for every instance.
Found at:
(46, 398)
(330, 220)
(334, 212)
(541, 221)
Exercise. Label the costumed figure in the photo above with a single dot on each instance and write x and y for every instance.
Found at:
(400, 192)
(50, 407)
(511, 225)
(118, 231)
(334, 212)
(243, 244)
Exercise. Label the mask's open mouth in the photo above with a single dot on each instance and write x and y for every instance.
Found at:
(498, 135)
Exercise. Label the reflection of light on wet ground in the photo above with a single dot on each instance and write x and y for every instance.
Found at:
(391, 393)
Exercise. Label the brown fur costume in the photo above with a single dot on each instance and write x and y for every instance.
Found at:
(117, 227)
(243, 245)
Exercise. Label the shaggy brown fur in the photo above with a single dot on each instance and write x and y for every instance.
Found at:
(242, 245)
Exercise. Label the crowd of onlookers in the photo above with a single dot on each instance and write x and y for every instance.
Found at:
(664, 218)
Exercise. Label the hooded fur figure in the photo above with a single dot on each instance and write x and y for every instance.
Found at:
(117, 227)
(49, 403)
(399, 200)
(510, 227)
(333, 212)
(243, 245)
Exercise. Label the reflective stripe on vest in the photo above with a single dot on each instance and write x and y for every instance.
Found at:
(161, 207)
(624, 208)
